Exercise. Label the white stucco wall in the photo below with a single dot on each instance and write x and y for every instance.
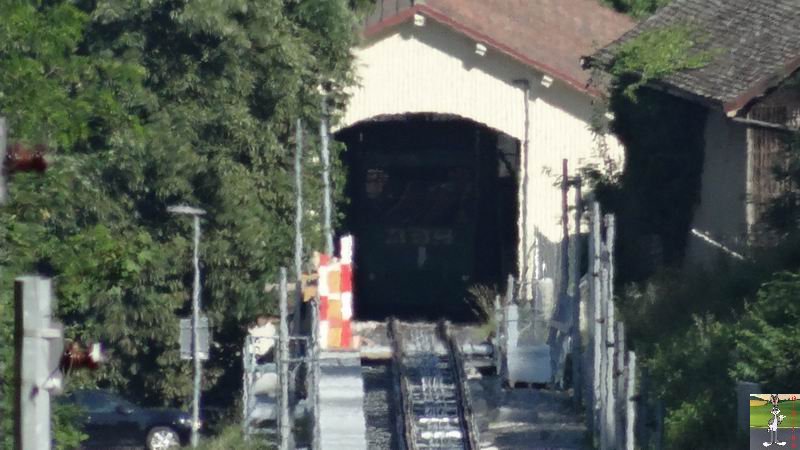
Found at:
(433, 69)
(722, 213)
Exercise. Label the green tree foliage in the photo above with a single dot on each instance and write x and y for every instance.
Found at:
(690, 375)
(146, 104)
(768, 337)
(655, 54)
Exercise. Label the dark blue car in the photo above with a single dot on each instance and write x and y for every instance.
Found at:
(112, 422)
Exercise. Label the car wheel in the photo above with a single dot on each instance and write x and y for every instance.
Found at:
(161, 438)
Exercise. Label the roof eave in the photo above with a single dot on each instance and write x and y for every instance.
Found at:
(761, 88)
(448, 22)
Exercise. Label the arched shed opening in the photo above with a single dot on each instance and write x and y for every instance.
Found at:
(433, 208)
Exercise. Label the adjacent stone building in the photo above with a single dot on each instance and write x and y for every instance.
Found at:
(754, 54)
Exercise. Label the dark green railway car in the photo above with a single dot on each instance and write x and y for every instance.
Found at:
(432, 215)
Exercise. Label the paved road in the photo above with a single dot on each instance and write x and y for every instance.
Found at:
(760, 435)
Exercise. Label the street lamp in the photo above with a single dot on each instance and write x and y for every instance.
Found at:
(195, 213)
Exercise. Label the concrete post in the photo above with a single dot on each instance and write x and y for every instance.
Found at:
(32, 306)
(619, 375)
(604, 360)
(610, 401)
(597, 305)
(630, 403)
(610, 408)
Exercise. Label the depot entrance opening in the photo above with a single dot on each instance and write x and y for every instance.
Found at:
(433, 208)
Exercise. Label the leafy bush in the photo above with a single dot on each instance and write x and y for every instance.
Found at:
(767, 337)
(67, 427)
(690, 373)
(232, 438)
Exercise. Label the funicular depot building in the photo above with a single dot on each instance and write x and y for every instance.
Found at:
(456, 132)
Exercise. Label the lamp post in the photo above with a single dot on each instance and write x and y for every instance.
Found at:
(195, 213)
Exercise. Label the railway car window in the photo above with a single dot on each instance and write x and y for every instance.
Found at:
(376, 182)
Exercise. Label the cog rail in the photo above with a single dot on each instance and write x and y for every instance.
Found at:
(436, 413)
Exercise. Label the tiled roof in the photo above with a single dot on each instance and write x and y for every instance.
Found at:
(548, 35)
(754, 45)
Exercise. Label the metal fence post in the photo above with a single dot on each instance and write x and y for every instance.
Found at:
(327, 204)
(564, 285)
(283, 364)
(3, 147)
(298, 226)
(314, 381)
(198, 365)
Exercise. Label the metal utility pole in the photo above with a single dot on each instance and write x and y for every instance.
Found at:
(564, 288)
(195, 213)
(524, 279)
(3, 147)
(326, 176)
(577, 344)
(298, 225)
(283, 364)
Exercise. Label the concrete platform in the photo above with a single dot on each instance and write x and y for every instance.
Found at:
(341, 402)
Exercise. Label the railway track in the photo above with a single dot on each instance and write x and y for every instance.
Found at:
(435, 408)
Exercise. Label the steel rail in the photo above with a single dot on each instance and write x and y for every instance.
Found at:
(469, 428)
